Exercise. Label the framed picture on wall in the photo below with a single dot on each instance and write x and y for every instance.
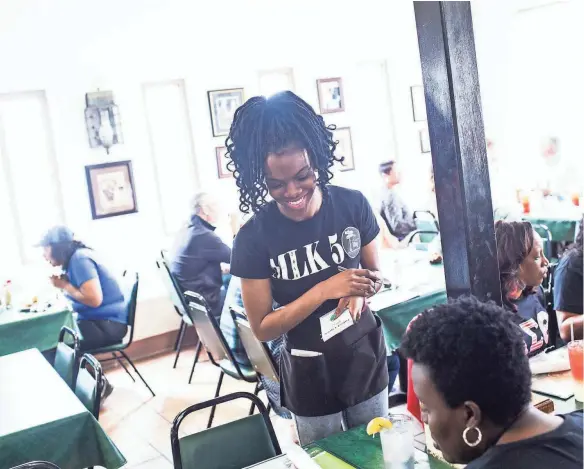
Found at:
(222, 171)
(330, 95)
(111, 189)
(424, 141)
(344, 149)
(222, 106)
(418, 103)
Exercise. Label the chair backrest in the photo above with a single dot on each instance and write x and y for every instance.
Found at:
(233, 445)
(424, 238)
(553, 325)
(66, 357)
(88, 386)
(258, 353)
(37, 465)
(546, 236)
(173, 288)
(130, 290)
(207, 328)
(426, 221)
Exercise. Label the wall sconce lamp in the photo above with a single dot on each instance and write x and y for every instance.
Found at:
(102, 118)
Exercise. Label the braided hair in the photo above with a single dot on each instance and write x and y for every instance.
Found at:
(271, 125)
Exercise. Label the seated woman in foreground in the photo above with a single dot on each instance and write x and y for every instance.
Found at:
(472, 378)
(523, 267)
(568, 296)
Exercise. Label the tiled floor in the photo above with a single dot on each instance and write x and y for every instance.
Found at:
(139, 424)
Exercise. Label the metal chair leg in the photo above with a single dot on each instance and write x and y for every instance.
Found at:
(269, 408)
(179, 340)
(257, 389)
(210, 422)
(137, 372)
(197, 352)
(119, 360)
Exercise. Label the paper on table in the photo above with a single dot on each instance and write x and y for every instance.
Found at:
(556, 385)
(390, 298)
(300, 458)
(551, 362)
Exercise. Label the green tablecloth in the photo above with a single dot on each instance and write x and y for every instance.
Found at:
(22, 331)
(41, 419)
(364, 452)
(395, 318)
(561, 229)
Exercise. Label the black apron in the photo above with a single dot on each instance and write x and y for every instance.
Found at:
(351, 369)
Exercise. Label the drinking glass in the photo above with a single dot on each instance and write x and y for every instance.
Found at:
(397, 443)
(575, 352)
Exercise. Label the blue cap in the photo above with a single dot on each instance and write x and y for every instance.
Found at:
(55, 235)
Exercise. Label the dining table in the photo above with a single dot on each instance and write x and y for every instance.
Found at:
(416, 285)
(22, 330)
(42, 419)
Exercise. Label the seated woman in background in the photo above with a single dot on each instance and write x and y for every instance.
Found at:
(473, 380)
(568, 290)
(90, 286)
(523, 267)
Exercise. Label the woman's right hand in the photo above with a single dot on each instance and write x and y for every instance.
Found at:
(351, 282)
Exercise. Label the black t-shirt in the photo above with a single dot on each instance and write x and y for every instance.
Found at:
(296, 256)
(568, 283)
(560, 448)
(533, 318)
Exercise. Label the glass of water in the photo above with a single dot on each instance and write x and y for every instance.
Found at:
(397, 443)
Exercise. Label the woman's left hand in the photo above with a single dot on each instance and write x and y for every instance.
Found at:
(353, 303)
(59, 281)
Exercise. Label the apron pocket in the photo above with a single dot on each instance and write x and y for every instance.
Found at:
(306, 388)
(364, 373)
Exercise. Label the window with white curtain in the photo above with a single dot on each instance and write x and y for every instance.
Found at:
(172, 148)
(30, 200)
(274, 81)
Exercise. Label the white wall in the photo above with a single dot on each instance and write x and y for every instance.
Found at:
(68, 48)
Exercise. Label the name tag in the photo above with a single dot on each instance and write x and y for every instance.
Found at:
(331, 327)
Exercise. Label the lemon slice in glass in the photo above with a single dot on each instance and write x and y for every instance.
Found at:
(378, 424)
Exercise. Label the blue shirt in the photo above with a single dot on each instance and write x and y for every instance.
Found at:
(83, 266)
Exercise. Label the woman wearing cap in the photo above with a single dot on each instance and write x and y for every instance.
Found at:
(90, 286)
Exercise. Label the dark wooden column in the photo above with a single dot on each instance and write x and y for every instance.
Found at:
(457, 138)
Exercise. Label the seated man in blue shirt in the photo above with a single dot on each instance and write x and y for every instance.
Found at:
(199, 253)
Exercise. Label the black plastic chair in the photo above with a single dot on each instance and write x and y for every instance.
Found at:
(66, 357)
(37, 465)
(89, 386)
(217, 349)
(234, 445)
(180, 306)
(131, 296)
(553, 325)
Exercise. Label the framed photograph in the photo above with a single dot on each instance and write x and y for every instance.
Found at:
(111, 189)
(418, 103)
(344, 149)
(424, 141)
(222, 171)
(222, 106)
(330, 95)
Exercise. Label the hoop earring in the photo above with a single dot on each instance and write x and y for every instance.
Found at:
(465, 436)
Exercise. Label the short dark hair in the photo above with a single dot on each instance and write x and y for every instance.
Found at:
(515, 241)
(270, 125)
(385, 168)
(475, 352)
